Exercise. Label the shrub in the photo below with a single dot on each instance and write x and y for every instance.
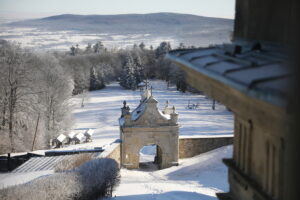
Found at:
(91, 180)
(72, 162)
(61, 186)
(99, 177)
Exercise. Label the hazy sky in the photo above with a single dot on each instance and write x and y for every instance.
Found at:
(42, 8)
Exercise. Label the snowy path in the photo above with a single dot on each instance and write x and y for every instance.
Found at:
(199, 177)
(102, 110)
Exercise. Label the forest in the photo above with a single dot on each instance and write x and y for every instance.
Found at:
(36, 87)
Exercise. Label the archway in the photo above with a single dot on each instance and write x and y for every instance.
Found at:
(150, 157)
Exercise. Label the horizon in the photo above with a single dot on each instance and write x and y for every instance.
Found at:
(30, 9)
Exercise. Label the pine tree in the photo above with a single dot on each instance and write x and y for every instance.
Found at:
(163, 49)
(139, 70)
(128, 79)
(95, 83)
(98, 47)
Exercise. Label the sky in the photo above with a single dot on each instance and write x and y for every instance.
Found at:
(43, 8)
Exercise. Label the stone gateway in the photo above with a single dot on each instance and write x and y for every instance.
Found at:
(146, 125)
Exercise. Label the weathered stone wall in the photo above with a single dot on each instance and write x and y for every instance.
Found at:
(113, 152)
(134, 138)
(189, 147)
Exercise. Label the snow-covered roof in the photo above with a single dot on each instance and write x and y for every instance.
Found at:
(89, 132)
(61, 137)
(71, 134)
(141, 84)
(260, 72)
(79, 136)
(149, 112)
(136, 113)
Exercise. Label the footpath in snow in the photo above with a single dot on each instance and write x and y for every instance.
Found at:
(199, 177)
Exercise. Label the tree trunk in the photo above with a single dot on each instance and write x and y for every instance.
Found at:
(12, 105)
(4, 113)
(36, 128)
(10, 128)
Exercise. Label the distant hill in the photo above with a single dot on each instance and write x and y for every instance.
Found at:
(62, 31)
(156, 23)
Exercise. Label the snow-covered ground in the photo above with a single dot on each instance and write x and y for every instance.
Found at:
(195, 178)
(199, 177)
(103, 108)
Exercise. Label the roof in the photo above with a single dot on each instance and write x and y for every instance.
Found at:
(260, 71)
(147, 114)
(71, 134)
(80, 136)
(40, 164)
(89, 132)
(61, 137)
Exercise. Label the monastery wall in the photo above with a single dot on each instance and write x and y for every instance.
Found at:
(192, 146)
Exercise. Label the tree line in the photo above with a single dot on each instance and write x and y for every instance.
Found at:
(35, 87)
(94, 66)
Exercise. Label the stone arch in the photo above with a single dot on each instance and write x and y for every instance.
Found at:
(147, 125)
(158, 157)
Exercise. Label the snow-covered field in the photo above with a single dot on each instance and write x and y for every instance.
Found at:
(103, 108)
(199, 177)
(62, 40)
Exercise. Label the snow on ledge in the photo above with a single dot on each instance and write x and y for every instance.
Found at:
(205, 136)
(108, 150)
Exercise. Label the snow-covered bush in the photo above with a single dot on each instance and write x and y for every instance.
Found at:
(72, 162)
(60, 186)
(91, 180)
(98, 177)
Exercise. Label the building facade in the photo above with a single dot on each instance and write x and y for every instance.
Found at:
(252, 77)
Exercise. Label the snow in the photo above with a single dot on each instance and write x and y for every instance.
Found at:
(165, 116)
(103, 109)
(90, 132)
(61, 137)
(71, 134)
(199, 177)
(10, 179)
(79, 136)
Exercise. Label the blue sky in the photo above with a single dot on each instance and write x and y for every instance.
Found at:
(41, 8)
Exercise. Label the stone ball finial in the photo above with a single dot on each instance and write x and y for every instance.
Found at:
(124, 104)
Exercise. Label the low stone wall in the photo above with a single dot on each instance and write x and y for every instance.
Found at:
(113, 152)
(188, 146)
(192, 146)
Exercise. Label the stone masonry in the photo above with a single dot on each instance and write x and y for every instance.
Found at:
(146, 125)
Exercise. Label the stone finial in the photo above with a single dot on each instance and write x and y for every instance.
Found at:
(167, 104)
(174, 109)
(125, 109)
(174, 118)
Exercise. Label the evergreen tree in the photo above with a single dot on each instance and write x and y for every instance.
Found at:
(98, 47)
(139, 68)
(72, 49)
(95, 82)
(142, 46)
(128, 79)
(163, 49)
